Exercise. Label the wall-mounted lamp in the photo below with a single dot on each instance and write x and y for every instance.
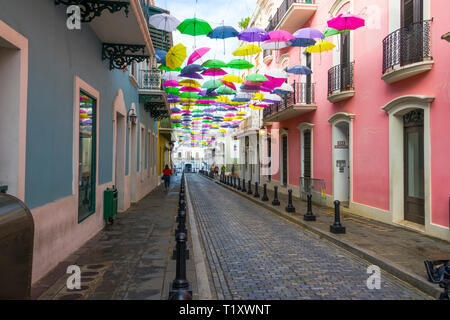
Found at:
(131, 117)
(262, 132)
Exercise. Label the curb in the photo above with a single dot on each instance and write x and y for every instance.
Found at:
(391, 267)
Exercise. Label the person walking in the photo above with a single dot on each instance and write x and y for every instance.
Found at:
(167, 172)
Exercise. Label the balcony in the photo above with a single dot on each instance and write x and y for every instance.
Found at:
(152, 95)
(299, 102)
(292, 15)
(340, 82)
(161, 40)
(407, 52)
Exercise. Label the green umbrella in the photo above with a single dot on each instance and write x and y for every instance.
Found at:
(240, 64)
(190, 95)
(173, 90)
(194, 27)
(165, 68)
(331, 32)
(256, 77)
(212, 84)
(226, 90)
(215, 64)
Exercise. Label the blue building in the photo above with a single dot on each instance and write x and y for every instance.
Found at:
(79, 108)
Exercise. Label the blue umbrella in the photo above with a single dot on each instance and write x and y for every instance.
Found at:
(160, 56)
(302, 42)
(299, 70)
(192, 68)
(192, 75)
(223, 32)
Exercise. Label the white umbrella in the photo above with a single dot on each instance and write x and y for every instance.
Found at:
(171, 75)
(275, 45)
(272, 97)
(277, 73)
(286, 87)
(164, 22)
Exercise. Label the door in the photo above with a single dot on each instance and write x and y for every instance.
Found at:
(284, 142)
(411, 35)
(414, 167)
(345, 62)
(306, 157)
(341, 151)
(308, 82)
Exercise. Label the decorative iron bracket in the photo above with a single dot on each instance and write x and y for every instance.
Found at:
(157, 110)
(90, 9)
(122, 55)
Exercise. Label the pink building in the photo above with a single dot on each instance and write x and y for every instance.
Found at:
(370, 123)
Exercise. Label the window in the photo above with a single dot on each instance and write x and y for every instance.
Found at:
(87, 156)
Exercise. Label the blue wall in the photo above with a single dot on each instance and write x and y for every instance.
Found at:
(56, 55)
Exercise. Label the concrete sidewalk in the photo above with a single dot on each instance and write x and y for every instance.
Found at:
(397, 250)
(129, 261)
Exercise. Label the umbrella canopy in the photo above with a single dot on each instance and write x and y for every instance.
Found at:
(277, 73)
(300, 70)
(275, 45)
(229, 85)
(192, 75)
(225, 90)
(214, 72)
(308, 33)
(176, 56)
(240, 64)
(190, 95)
(280, 36)
(232, 78)
(190, 89)
(194, 27)
(331, 32)
(160, 56)
(302, 42)
(253, 35)
(223, 32)
(320, 46)
(164, 22)
(197, 54)
(346, 21)
(191, 68)
(212, 84)
(214, 64)
(171, 75)
(164, 68)
(171, 83)
(173, 91)
(256, 77)
(247, 50)
(190, 83)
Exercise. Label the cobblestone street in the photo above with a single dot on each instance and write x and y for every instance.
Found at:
(254, 254)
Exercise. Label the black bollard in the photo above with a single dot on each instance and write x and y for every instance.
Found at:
(336, 227)
(445, 283)
(265, 197)
(182, 205)
(249, 191)
(290, 207)
(239, 184)
(234, 182)
(181, 228)
(275, 201)
(309, 216)
(256, 195)
(181, 288)
(243, 186)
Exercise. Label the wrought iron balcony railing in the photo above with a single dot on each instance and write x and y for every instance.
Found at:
(407, 45)
(165, 124)
(150, 79)
(282, 9)
(303, 94)
(340, 78)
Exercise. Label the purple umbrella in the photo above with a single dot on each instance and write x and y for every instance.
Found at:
(192, 75)
(308, 33)
(191, 68)
(253, 35)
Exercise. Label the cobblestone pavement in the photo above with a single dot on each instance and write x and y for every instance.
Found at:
(254, 254)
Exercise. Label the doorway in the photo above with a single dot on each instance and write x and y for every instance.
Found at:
(284, 162)
(120, 159)
(414, 179)
(133, 161)
(411, 36)
(341, 156)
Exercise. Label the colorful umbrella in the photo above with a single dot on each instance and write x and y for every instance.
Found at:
(212, 84)
(192, 75)
(299, 70)
(320, 46)
(214, 64)
(171, 75)
(253, 35)
(256, 77)
(164, 22)
(160, 56)
(171, 83)
(232, 78)
(240, 64)
(331, 32)
(176, 56)
(247, 50)
(302, 42)
(308, 33)
(190, 89)
(277, 73)
(165, 68)
(191, 68)
(194, 27)
(275, 45)
(280, 36)
(190, 83)
(229, 85)
(346, 21)
(214, 72)
(197, 54)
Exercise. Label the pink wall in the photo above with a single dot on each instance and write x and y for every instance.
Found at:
(371, 124)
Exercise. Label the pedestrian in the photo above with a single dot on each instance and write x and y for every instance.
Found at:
(166, 177)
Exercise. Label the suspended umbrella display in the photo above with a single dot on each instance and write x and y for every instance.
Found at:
(194, 27)
(160, 56)
(212, 84)
(190, 83)
(164, 22)
(190, 89)
(299, 70)
(246, 50)
(321, 46)
(214, 72)
(275, 45)
(176, 56)
(256, 77)
(240, 64)
(229, 85)
(253, 35)
(214, 64)
(277, 73)
(332, 32)
(192, 75)
(346, 21)
(223, 32)
(308, 33)
(171, 75)
(171, 83)
(165, 68)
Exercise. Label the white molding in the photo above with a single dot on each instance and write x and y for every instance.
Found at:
(341, 116)
(303, 127)
(337, 5)
(422, 100)
(403, 72)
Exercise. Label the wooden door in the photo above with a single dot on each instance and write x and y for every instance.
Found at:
(285, 160)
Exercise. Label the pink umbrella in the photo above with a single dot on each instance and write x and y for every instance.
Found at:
(346, 21)
(229, 84)
(273, 82)
(214, 72)
(197, 54)
(190, 89)
(280, 36)
(171, 83)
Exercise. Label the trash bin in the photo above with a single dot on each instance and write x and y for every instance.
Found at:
(110, 205)
(16, 248)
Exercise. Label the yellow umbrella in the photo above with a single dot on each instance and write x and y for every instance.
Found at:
(176, 56)
(232, 78)
(320, 46)
(258, 96)
(223, 99)
(247, 50)
(190, 83)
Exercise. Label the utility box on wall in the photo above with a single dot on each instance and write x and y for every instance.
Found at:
(16, 248)
(110, 198)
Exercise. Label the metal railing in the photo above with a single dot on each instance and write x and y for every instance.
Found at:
(303, 94)
(150, 79)
(340, 78)
(165, 124)
(282, 9)
(407, 45)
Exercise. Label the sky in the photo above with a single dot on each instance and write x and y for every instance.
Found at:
(215, 13)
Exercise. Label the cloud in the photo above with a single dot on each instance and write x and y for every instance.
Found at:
(229, 12)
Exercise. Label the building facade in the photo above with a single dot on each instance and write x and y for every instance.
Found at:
(80, 104)
(367, 128)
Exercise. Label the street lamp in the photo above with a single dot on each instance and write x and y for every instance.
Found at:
(131, 117)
